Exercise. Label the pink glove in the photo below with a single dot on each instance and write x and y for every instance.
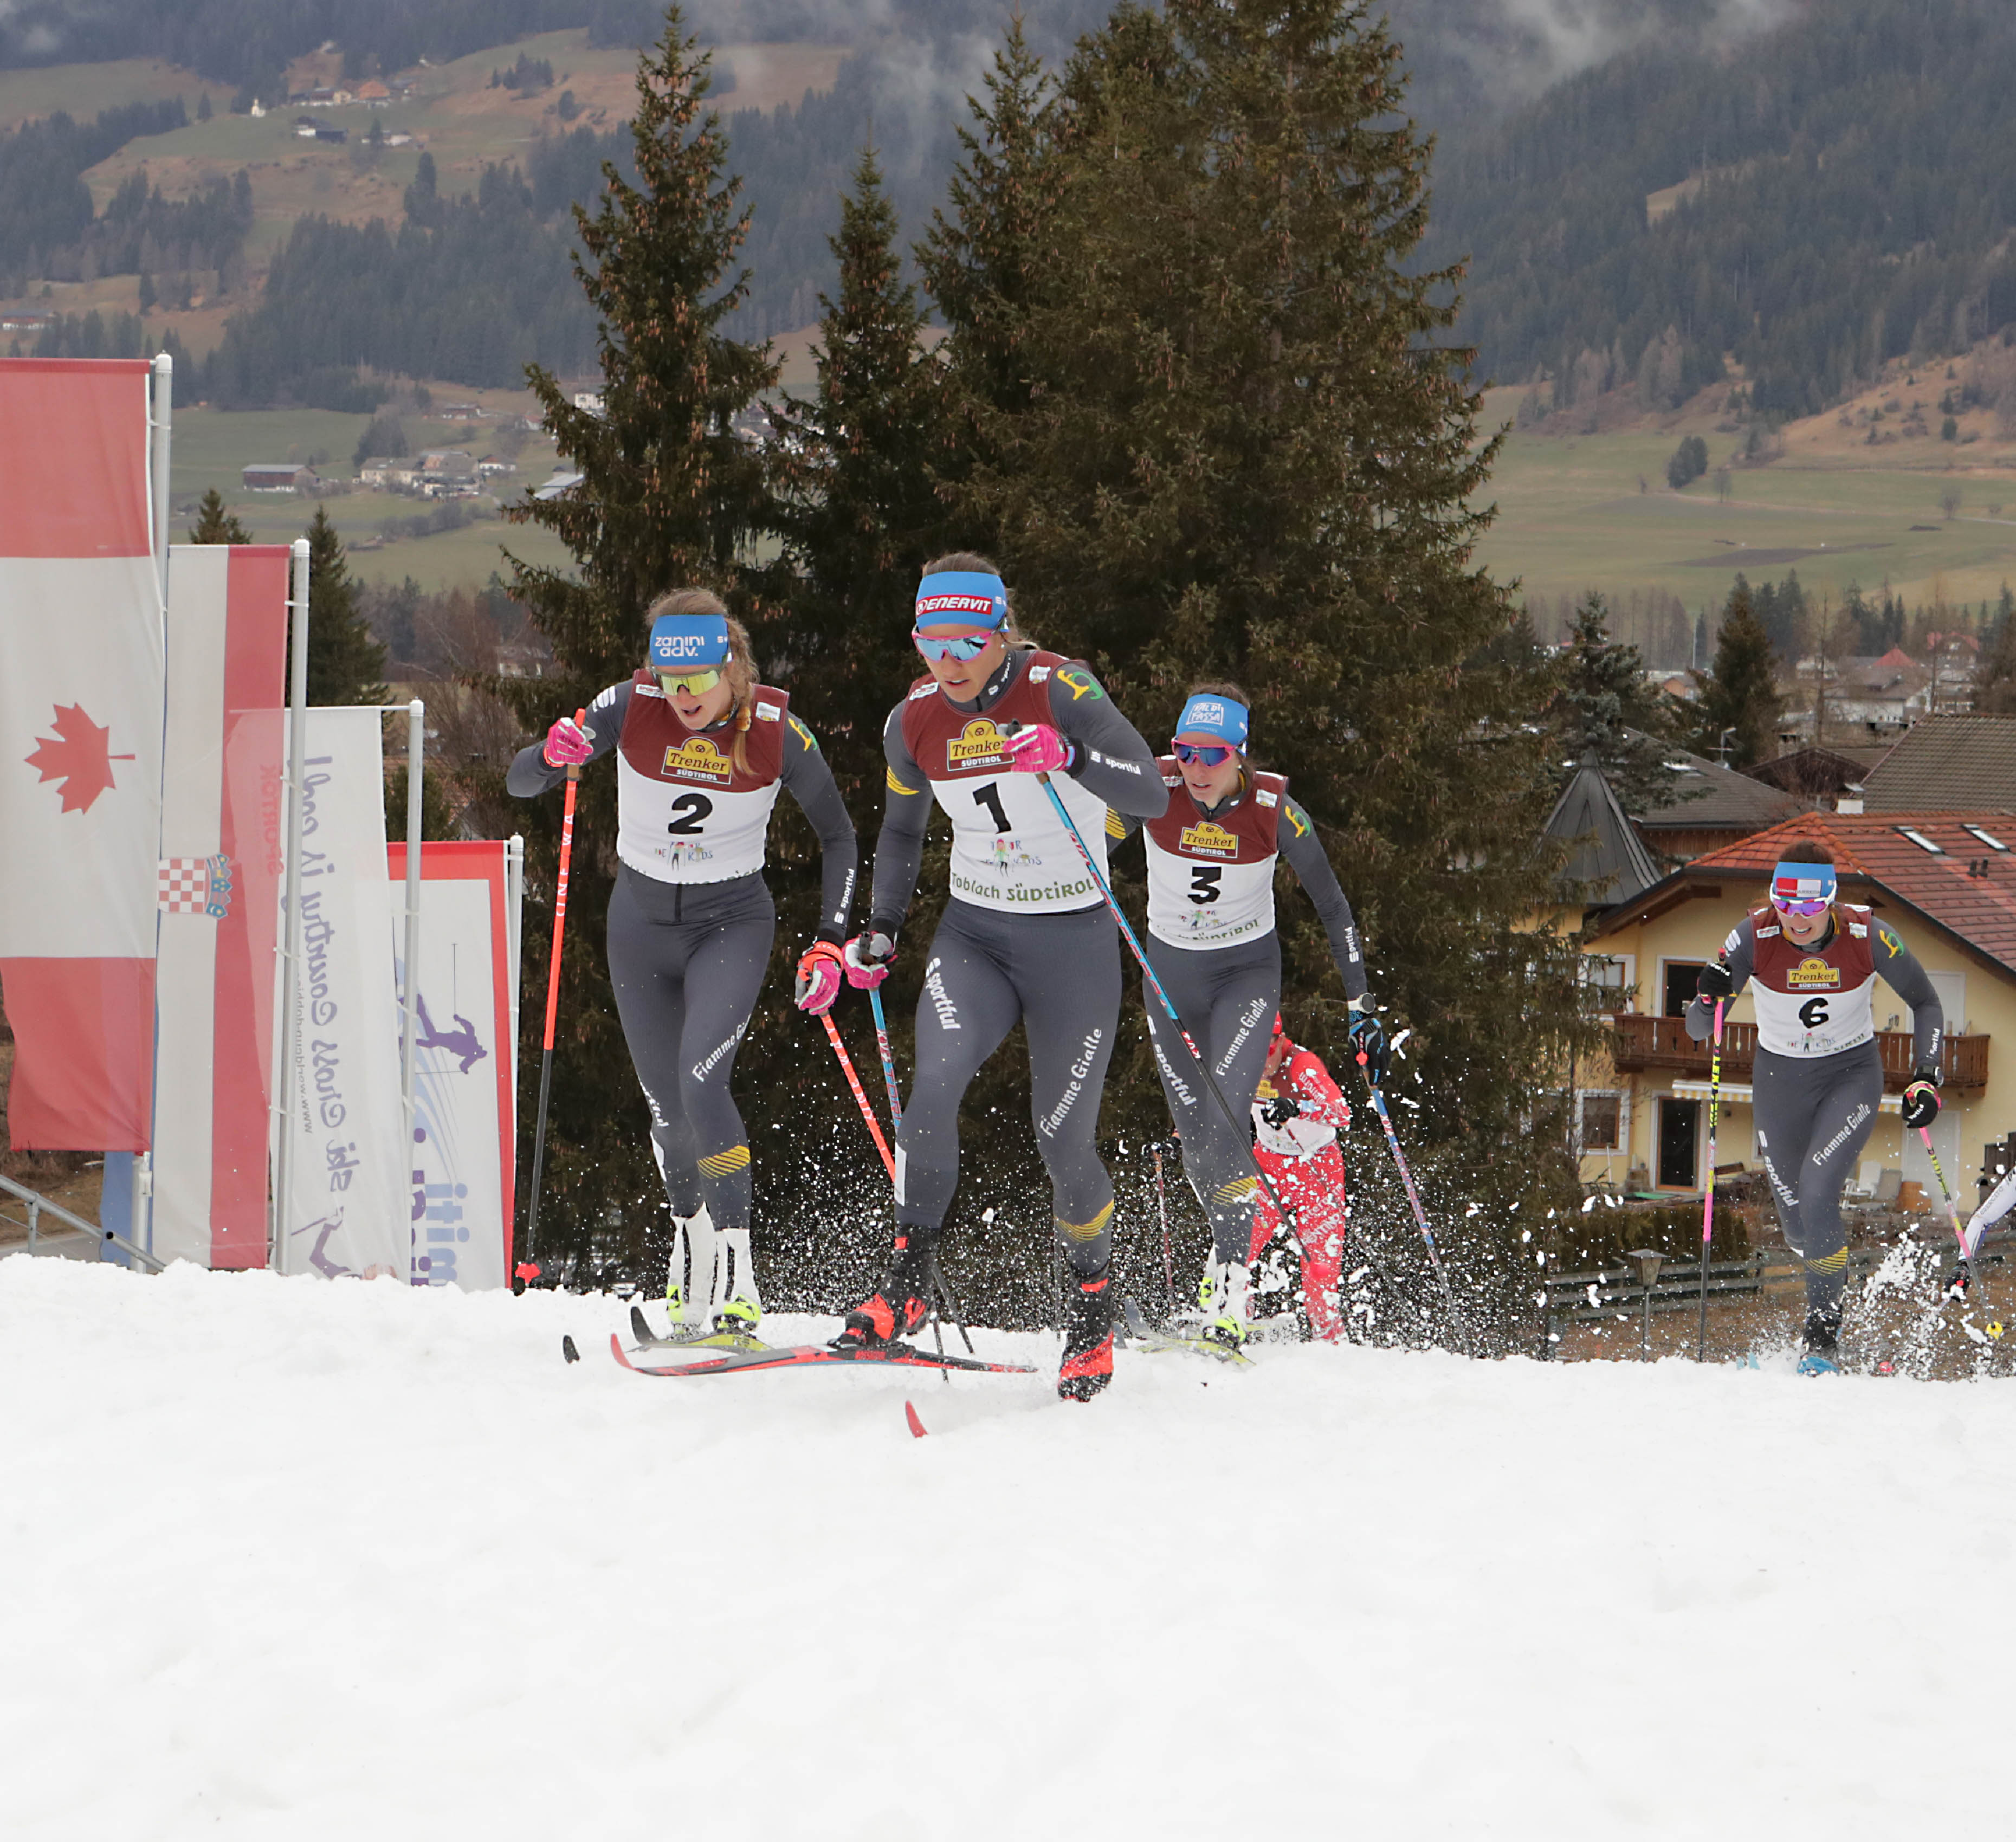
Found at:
(869, 956)
(1036, 748)
(568, 744)
(818, 978)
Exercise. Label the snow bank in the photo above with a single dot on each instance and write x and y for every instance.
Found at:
(285, 1559)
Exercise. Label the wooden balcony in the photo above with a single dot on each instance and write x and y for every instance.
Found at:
(1640, 1044)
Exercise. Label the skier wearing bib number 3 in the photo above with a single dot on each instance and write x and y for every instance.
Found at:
(1813, 962)
(701, 750)
(1026, 935)
(1212, 942)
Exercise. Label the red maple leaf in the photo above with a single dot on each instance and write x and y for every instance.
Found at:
(79, 755)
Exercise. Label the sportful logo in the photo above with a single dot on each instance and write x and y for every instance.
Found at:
(697, 759)
(1207, 840)
(1812, 970)
(979, 744)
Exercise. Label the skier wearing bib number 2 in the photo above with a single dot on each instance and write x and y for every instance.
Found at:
(1026, 934)
(1212, 942)
(701, 750)
(1813, 961)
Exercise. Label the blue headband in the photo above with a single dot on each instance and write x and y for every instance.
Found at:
(1805, 882)
(692, 640)
(953, 599)
(1223, 718)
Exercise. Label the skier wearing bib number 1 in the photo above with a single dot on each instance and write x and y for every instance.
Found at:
(1212, 942)
(1812, 962)
(701, 749)
(1026, 935)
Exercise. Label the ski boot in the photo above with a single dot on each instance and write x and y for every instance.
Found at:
(1088, 1362)
(738, 1309)
(1221, 1298)
(901, 1304)
(690, 1282)
(1821, 1354)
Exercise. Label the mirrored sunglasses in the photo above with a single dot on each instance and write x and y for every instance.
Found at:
(694, 681)
(951, 645)
(1818, 904)
(1209, 753)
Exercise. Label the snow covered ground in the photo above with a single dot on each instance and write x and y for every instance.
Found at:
(285, 1558)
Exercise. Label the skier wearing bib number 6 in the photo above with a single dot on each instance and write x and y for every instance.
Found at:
(702, 749)
(1813, 962)
(1026, 936)
(1212, 942)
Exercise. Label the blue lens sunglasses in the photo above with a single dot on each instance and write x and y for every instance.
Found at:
(1210, 754)
(961, 647)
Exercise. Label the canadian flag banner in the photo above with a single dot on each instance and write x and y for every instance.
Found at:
(218, 888)
(81, 702)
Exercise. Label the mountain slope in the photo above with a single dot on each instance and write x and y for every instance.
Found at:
(1845, 197)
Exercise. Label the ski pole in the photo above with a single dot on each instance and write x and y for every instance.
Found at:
(1162, 1209)
(888, 1058)
(1413, 1195)
(861, 1095)
(1707, 1189)
(528, 1267)
(1964, 1275)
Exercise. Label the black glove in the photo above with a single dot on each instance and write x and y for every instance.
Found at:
(1368, 1045)
(1956, 1286)
(1715, 981)
(1280, 1109)
(1921, 1099)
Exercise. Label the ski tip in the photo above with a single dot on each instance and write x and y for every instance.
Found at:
(916, 1425)
(568, 1350)
(640, 1326)
(616, 1349)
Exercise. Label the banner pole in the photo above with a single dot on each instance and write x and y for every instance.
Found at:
(297, 748)
(416, 750)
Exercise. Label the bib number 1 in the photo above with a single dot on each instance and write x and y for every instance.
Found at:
(990, 797)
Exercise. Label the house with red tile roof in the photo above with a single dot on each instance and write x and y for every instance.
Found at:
(1945, 880)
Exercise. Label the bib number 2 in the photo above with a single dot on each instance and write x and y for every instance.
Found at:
(693, 810)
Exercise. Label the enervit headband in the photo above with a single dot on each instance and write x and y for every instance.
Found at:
(954, 599)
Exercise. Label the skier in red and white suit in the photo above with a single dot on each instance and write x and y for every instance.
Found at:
(1298, 1114)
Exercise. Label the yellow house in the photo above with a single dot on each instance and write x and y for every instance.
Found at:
(1944, 881)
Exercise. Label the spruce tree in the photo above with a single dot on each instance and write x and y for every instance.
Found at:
(344, 660)
(1739, 692)
(1607, 713)
(1245, 452)
(859, 514)
(671, 496)
(1995, 677)
(215, 524)
(986, 264)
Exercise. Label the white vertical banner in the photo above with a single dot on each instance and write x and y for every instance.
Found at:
(349, 1203)
(465, 1078)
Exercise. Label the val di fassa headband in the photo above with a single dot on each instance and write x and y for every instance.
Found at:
(961, 598)
(1221, 719)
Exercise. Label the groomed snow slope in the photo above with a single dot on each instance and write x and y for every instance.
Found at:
(285, 1558)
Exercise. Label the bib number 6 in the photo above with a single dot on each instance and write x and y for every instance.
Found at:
(1813, 1013)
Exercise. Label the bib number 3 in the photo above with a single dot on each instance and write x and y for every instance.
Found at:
(1204, 879)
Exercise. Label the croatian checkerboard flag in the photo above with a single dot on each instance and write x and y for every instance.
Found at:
(81, 703)
(217, 887)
